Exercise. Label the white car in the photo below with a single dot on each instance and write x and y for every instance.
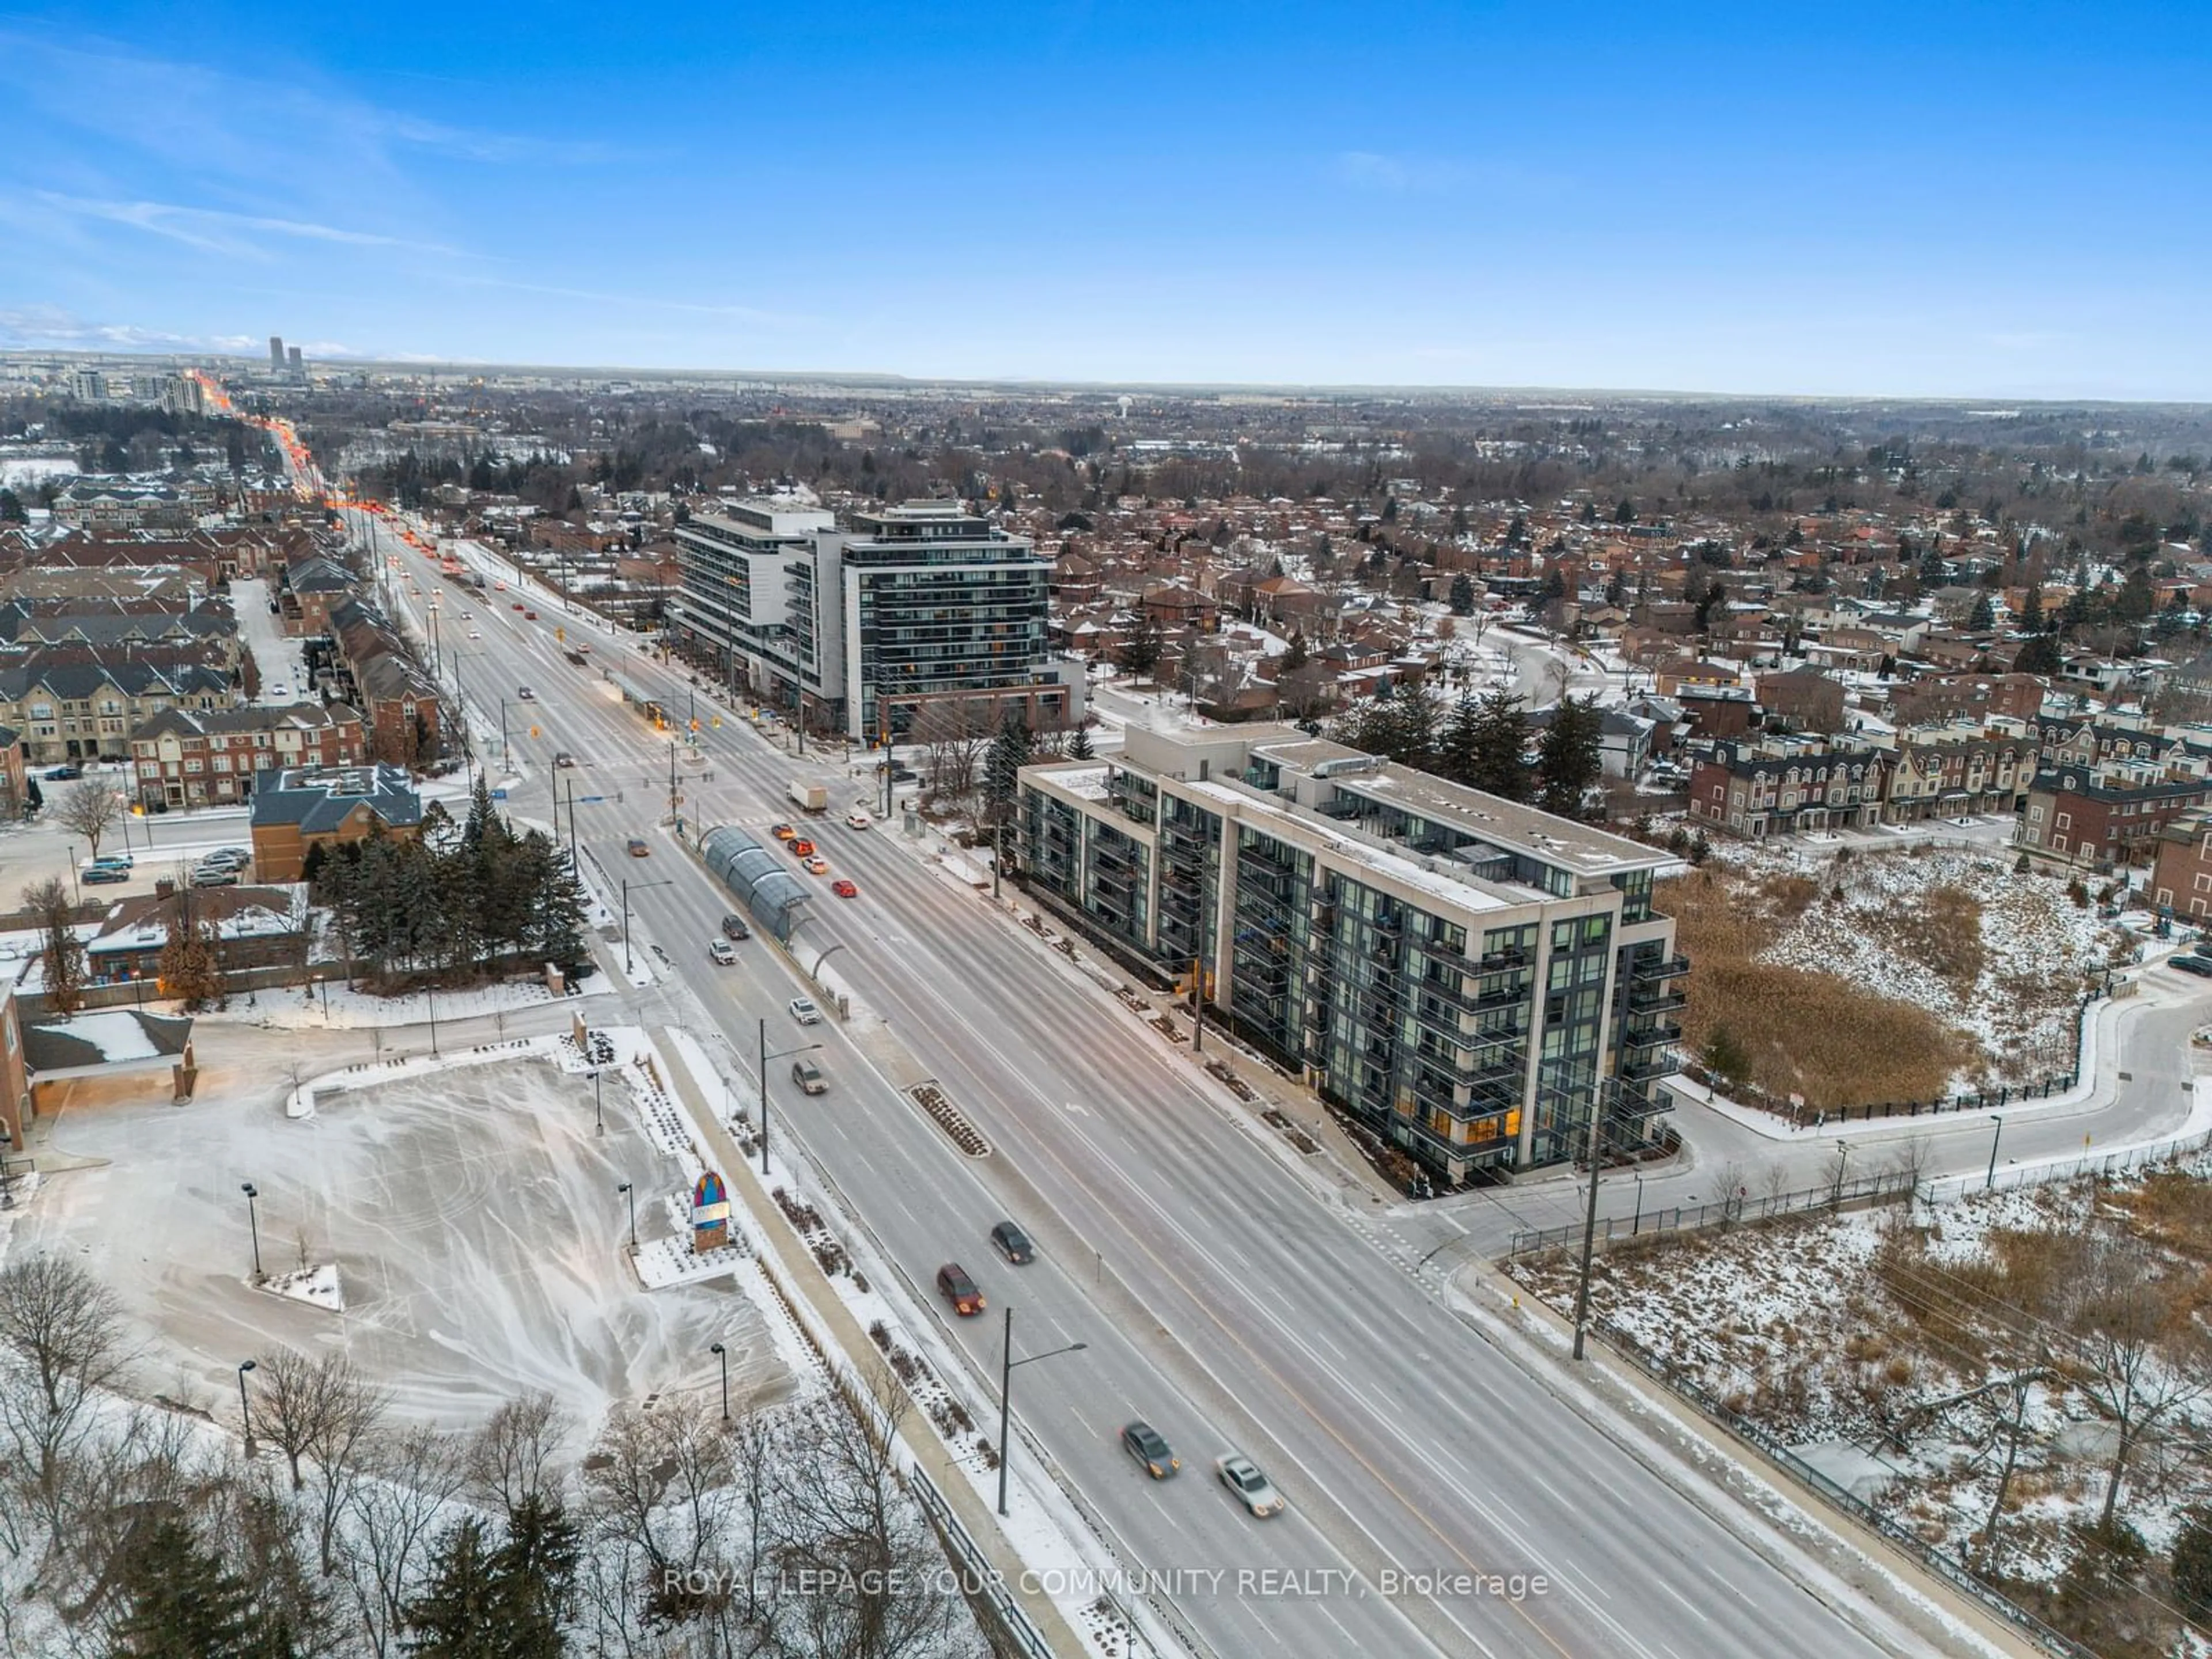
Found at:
(803, 1010)
(280, 690)
(721, 952)
(1242, 1476)
(858, 820)
(474, 634)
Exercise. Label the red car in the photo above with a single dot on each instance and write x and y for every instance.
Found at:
(844, 890)
(954, 1285)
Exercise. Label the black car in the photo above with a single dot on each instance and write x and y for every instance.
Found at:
(1012, 1243)
(2201, 966)
(733, 927)
(64, 774)
(1143, 1443)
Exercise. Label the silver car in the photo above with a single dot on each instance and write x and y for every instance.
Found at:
(803, 1010)
(1242, 1476)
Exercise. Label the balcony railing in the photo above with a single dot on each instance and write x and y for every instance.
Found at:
(1665, 1031)
(1655, 1000)
(1663, 1064)
(1660, 968)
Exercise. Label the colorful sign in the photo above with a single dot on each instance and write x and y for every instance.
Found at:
(710, 1214)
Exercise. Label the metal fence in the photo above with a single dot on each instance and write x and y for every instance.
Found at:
(1954, 1571)
(976, 1571)
(1892, 1187)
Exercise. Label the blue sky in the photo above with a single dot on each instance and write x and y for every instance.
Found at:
(1966, 199)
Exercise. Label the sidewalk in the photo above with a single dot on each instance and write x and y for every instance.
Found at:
(798, 1269)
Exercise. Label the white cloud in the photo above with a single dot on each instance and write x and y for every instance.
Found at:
(218, 232)
(37, 327)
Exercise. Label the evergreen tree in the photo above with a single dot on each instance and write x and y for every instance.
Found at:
(1985, 615)
(1462, 595)
(1725, 1057)
(457, 1615)
(1008, 753)
(1457, 744)
(2041, 655)
(179, 1602)
(1140, 652)
(11, 508)
(1501, 741)
(2192, 1567)
(1568, 762)
(1294, 657)
(535, 1571)
(189, 968)
(1079, 748)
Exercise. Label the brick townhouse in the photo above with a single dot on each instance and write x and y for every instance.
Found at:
(1950, 771)
(191, 757)
(1776, 787)
(2104, 817)
(2181, 866)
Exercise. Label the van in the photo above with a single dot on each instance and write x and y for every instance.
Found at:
(808, 1075)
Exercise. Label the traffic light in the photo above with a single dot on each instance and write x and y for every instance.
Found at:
(718, 722)
(561, 634)
(533, 731)
(695, 723)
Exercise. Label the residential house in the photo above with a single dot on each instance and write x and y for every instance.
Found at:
(190, 757)
(2181, 867)
(2104, 817)
(298, 811)
(256, 927)
(1803, 698)
(1757, 787)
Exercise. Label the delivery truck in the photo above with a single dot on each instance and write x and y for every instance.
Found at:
(810, 797)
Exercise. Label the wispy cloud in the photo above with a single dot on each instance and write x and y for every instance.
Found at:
(233, 234)
(1427, 175)
(36, 327)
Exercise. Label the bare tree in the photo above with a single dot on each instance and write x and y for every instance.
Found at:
(395, 1515)
(1909, 1162)
(660, 1483)
(2139, 1356)
(319, 1411)
(61, 955)
(511, 1458)
(850, 1521)
(90, 810)
(61, 1344)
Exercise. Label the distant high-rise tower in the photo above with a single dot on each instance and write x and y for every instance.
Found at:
(275, 354)
(298, 368)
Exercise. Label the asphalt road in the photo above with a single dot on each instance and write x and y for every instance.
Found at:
(1222, 1298)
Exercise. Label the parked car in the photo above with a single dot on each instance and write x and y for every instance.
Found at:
(280, 690)
(1242, 1476)
(2200, 966)
(808, 1075)
(1143, 1443)
(216, 876)
(121, 861)
(733, 927)
(803, 1010)
(98, 875)
(1011, 1243)
(63, 773)
(840, 887)
(638, 849)
(526, 693)
(719, 951)
(228, 858)
(954, 1285)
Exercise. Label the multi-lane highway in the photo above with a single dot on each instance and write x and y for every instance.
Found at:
(1221, 1299)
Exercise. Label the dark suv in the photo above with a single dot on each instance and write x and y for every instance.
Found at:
(953, 1282)
(733, 927)
(1012, 1243)
(1143, 1443)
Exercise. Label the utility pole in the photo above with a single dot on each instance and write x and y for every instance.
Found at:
(573, 865)
(1197, 1005)
(1589, 1222)
(672, 780)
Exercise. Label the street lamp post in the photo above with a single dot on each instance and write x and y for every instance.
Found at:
(781, 1053)
(1635, 1227)
(253, 1224)
(1006, 1388)
(431, 991)
(626, 1191)
(641, 886)
(599, 1103)
(244, 1414)
(1998, 1120)
(723, 1354)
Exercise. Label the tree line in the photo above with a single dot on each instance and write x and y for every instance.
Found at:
(304, 1522)
(453, 908)
(1482, 742)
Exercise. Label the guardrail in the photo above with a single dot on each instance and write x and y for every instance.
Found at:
(976, 1571)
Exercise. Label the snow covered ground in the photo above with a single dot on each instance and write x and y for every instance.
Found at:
(471, 1213)
(2037, 947)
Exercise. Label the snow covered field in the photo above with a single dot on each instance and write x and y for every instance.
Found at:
(473, 1217)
